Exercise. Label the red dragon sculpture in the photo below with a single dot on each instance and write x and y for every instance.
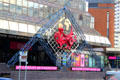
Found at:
(62, 38)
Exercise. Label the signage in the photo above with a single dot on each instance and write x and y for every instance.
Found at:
(86, 69)
(23, 56)
(37, 67)
(112, 57)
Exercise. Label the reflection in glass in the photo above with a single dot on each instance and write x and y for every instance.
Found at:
(18, 9)
(5, 6)
(25, 11)
(12, 8)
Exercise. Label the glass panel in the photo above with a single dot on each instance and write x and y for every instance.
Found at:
(41, 10)
(36, 12)
(30, 11)
(35, 5)
(12, 1)
(19, 2)
(46, 11)
(1, 5)
(25, 3)
(18, 9)
(5, 6)
(7, 1)
(25, 11)
(30, 4)
(13, 25)
(12, 8)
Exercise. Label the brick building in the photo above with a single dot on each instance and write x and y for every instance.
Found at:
(103, 12)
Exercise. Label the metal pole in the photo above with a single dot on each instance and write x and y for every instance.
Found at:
(19, 69)
(25, 68)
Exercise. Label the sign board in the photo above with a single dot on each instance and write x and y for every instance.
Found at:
(23, 56)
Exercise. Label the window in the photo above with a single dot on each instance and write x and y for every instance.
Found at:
(36, 12)
(25, 11)
(93, 4)
(5, 6)
(30, 12)
(108, 14)
(19, 2)
(46, 11)
(1, 5)
(12, 1)
(7, 1)
(30, 8)
(41, 10)
(18, 9)
(30, 4)
(25, 3)
(12, 8)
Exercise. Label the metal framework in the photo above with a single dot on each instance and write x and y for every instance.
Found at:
(50, 45)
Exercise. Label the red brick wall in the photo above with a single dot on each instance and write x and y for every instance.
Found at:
(100, 15)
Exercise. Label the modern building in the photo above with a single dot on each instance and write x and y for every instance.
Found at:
(103, 13)
(106, 14)
(21, 19)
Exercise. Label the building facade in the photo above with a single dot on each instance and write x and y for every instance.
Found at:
(103, 12)
(21, 19)
(117, 24)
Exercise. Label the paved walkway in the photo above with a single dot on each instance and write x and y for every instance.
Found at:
(57, 75)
